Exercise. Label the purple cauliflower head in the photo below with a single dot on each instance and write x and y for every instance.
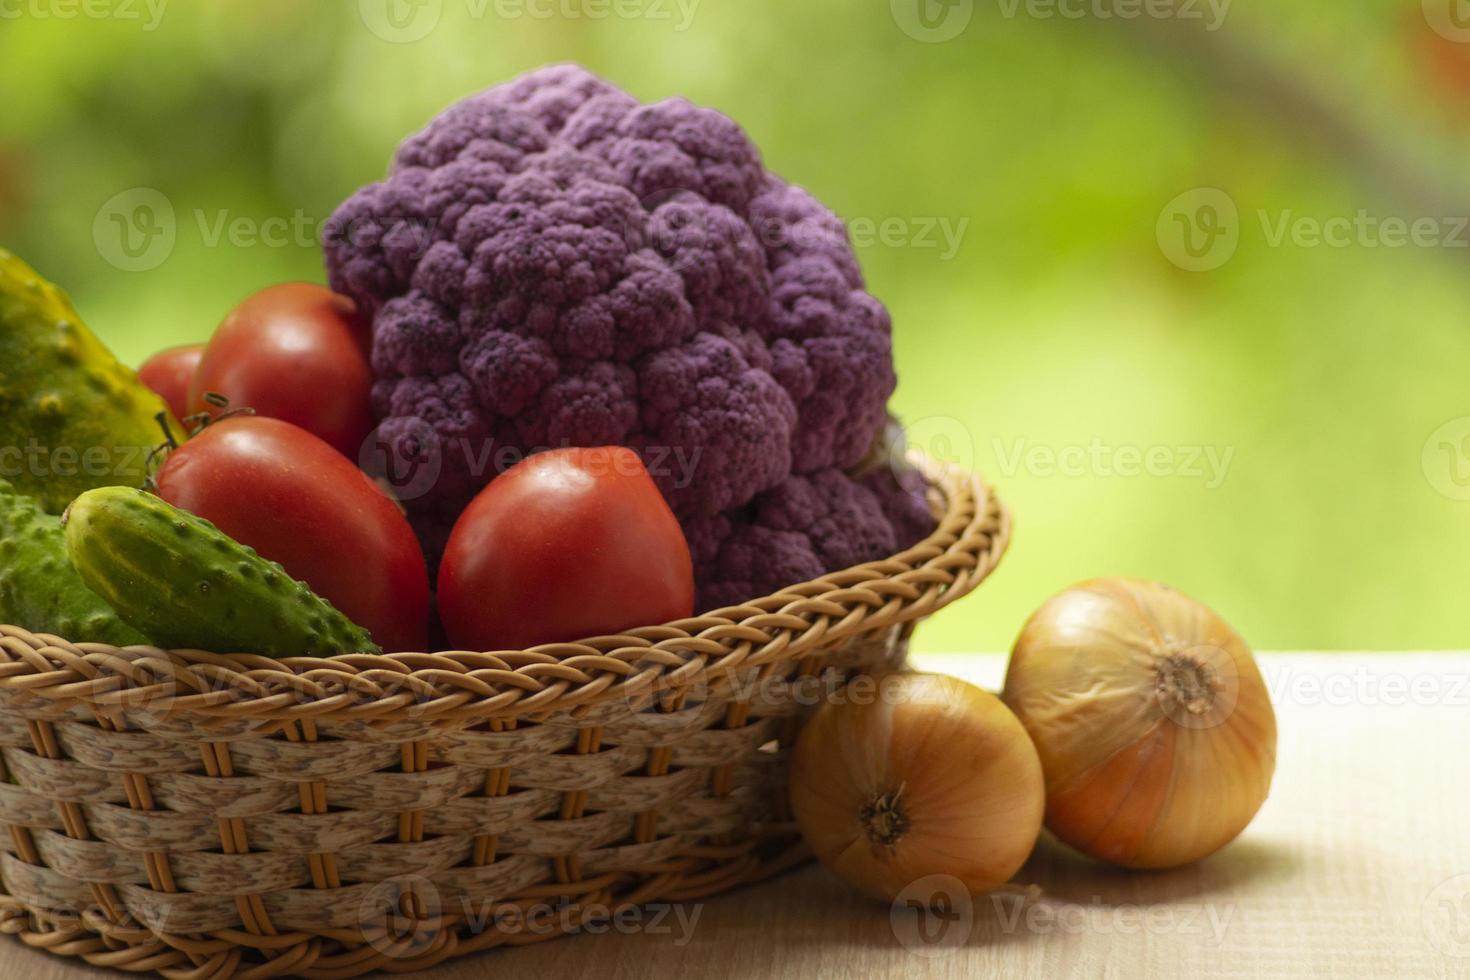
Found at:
(552, 263)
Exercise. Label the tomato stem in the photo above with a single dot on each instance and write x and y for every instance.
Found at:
(168, 445)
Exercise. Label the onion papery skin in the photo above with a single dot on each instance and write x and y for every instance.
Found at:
(964, 780)
(1154, 727)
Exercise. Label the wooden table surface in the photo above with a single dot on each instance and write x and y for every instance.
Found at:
(1357, 866)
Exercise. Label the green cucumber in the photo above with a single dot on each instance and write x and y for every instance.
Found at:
(187, 584)
(72, 417)
(39, 590)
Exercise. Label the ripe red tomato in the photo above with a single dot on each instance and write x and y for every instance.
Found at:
(293, 352)
(170, 373)
(296, 500)
(564, 545)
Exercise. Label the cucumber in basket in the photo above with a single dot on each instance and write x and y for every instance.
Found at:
(39, 590)
(186, 584)
(63, 392)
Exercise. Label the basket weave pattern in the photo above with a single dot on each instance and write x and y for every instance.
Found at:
(203, 815)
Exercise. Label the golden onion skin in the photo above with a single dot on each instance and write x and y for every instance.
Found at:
(928, 775)
(1154, 727)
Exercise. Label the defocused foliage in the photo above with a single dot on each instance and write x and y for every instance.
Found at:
(1058, 322)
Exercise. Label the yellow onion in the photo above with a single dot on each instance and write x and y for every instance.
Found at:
(916, 775)
(1154, 727)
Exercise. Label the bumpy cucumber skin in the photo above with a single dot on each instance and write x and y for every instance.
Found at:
(39, 590)
(72, 417)
(182, 581)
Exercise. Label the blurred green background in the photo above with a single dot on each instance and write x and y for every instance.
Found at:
(1280, 430)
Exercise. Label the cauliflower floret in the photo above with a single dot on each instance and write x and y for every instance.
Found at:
(809, 525)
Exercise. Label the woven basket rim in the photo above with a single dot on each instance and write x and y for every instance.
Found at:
(453, 686)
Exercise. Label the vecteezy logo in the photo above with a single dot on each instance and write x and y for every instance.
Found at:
(1449, 18)
(401, 21)
(1446, 459)
(947, 441)
(932, 21)
(135, 230)
(399, 917)
(1198, 688)
(409, 459)
(665, 715)
(1446, 916)
(933, 916)
(1199, 230)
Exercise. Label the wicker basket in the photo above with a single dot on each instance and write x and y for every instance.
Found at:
(202, 815)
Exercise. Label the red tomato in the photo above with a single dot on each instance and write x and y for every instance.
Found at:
(169, 373)
(564, 545)
(293, 352)
(296, 500)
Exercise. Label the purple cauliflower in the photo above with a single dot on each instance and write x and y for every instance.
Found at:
(552, 263)
(810, 524)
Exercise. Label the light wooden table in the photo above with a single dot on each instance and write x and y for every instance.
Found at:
(1357, 866)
